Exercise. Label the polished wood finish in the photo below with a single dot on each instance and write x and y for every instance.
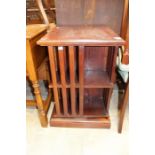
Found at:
(101, 122)
(125, 57)
(81, 79)
(125, 32)
(125, 19)
(33, 63)
(90, 12)
(83, 73)
(123, 107)
(111, 71)
(84, 13)
(33, 34)
(125, 60)
(72, 78)
(63, 79)
(54, 78)
(83, 35)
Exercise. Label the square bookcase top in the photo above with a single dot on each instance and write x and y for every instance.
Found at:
(81, 35)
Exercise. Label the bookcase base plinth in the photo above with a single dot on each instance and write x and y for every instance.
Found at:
(101, 122)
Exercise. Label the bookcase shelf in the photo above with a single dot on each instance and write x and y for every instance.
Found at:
(92, 79)
(97, 79)
(93, 107)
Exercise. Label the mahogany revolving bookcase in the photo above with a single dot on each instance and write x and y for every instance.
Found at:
(82, 63)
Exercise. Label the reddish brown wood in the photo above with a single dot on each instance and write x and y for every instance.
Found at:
(83, 35)
(88, 84)
(61, 52)
(97, 79)
(113, 67)
(112, 73)
(125, 57)
(94, 103)
(123, 108)
(72, 78)
(81, 78)
(108, 98)
(109, 61)
(93, 61)
(54, 78)
(90, 12)
(85, 73)
(102, 122)
(125, 19)
(125, 32)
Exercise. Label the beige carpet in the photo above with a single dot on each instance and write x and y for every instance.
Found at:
(77, 141)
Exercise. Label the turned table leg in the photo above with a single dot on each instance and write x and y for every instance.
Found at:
(33, 77)
(42, 114)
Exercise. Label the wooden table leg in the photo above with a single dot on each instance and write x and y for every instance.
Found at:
(33, 77)
(42, 113)
(123, 108)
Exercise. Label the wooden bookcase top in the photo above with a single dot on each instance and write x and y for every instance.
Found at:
(81, 35)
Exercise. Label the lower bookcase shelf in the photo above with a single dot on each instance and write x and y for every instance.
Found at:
(95, 111)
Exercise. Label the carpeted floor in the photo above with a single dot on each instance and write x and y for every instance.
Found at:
(76, 141)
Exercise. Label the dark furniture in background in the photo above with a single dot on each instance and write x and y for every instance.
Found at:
(33, 14)
(90, 12)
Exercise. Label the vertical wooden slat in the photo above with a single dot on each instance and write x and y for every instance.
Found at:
(108, 98)
(113, 73)
(72, 78)
(81, 79)
(109, 61)
(61, 51)
(54, 79)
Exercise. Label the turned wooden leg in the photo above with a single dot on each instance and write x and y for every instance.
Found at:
(34, 79)
(123, 108)
(39, 101)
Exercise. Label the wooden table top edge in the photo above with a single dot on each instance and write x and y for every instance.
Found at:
(34, 29)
